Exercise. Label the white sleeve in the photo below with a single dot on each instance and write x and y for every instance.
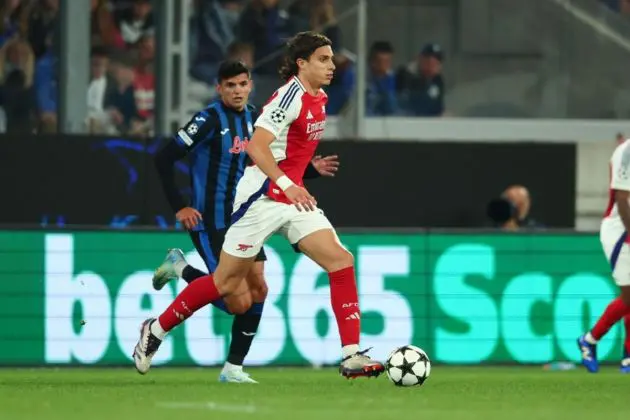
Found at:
(283, 108)
(620, 170)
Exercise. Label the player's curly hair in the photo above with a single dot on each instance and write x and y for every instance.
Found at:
(302, 45)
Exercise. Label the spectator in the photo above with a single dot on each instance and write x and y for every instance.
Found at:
(103, 27)
(213, 30)
(18, 103)
(342, 85)
(620, 138)
(99, 85)
(315, 15)
(17, 55)
(46, 87)
(621, 6)
(17, 67)
(144, 80)
(135, 21)
(120, 101)
(241, 51)
(10, 11)
(381, 91)
(421, 84)
(42, 24)
(264, 25)
(511, 210)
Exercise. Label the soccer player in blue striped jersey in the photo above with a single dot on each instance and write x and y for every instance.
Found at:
(215, 141)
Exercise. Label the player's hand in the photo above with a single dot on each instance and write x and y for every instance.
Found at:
(189, 217)
(326, 166)
(300, 198)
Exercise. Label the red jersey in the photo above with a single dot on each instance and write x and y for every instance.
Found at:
(297, 120)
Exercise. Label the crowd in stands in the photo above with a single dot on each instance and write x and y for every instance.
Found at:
(621, 6)
(121, 90)
(255, 30)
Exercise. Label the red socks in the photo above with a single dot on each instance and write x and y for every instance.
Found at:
(343, 297)
(345, 304)
(195, 296)
(613, 314)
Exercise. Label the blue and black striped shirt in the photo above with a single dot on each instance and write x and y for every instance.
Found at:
(215, 141)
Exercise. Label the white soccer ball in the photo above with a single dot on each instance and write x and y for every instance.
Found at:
(408, 366)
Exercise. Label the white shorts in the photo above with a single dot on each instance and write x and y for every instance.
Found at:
(615, 243)
(246, 236)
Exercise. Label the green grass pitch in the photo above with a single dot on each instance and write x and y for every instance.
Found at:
(303, 394)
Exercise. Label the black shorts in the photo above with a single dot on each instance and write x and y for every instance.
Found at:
(209, 243)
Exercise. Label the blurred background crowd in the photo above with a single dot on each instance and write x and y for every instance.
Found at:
(405, 69)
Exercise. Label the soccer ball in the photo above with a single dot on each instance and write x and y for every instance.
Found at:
(408, 366)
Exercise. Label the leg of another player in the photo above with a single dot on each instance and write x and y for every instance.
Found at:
(229, 275)
(175, 266)
(324, 248)
(625, 361)
(245, 326)
(616, 310)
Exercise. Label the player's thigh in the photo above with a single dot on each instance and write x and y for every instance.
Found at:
(256, 280)
(620, 264)
(252, 225)
(316, 238)
(618, 254)
(231, 273)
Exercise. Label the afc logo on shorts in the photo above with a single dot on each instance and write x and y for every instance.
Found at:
(243, 247)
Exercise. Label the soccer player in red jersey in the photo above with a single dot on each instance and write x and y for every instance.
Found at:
(270, 198)
(616, 243)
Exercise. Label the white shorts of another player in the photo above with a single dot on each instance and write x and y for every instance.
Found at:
(614, 240)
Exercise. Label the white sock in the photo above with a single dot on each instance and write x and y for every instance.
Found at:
(349, 350)
(589, 338)
(230, 367)
(157, 330)
(179, 267)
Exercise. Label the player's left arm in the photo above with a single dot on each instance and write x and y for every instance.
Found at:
(322, 166)
(192, 135)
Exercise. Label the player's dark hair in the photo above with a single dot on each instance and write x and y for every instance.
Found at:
(232, 68)
(302, 45)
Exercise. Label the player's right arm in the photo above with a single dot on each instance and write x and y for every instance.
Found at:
(276, 118)
(620, 183)
(193, 134)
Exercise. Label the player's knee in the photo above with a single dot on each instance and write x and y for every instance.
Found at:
(227, 285)
(259, 291)
(342, 258)
(240, 305)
